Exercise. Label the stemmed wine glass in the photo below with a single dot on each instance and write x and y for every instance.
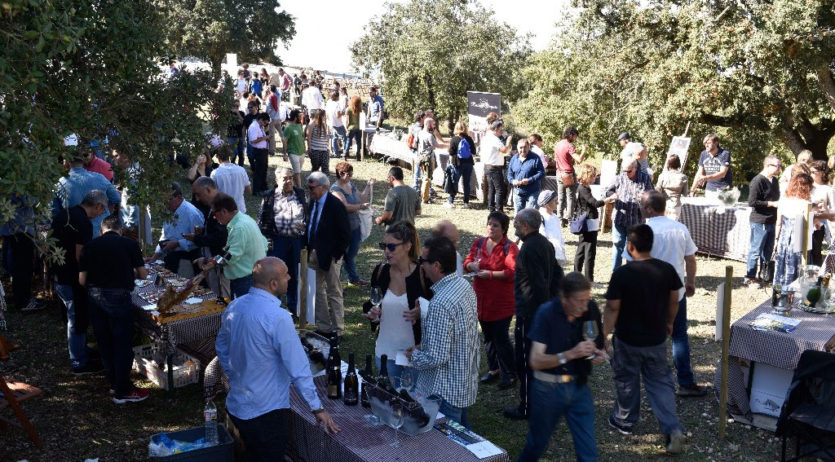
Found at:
(396, 422)
(406, 380)
(590, 333)
(376, 296)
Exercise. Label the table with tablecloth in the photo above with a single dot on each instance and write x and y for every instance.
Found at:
(781, 350)
(360, 441)
(717, 230)
(385, 144)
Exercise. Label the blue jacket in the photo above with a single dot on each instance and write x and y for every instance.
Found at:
(531, 169)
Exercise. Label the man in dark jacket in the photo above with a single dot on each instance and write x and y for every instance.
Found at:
(328, 234)
(762, 198)
(213, 235)
(536, 281)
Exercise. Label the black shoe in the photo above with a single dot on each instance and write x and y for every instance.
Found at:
(91, 367)
(691, 391)
(514, 413)
(489, 378)
(621, 428)
(508, 381)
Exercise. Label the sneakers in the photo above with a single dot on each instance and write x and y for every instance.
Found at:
(135, 396)
(675, 442)
(691, 391)
(33, 305)
(447, 205)
(751, 283)
(621, 428)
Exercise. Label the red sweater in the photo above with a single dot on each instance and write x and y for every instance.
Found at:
(495, 296)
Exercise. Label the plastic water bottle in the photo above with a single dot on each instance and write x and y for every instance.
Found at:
(210, 418)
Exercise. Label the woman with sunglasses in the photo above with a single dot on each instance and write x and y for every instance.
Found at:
(345, 191)
(492, 260)
(401, 282)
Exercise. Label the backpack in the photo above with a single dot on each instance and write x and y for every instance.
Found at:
(464, 150)
(411, 142)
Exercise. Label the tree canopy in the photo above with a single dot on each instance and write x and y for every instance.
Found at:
(94, 69)
(429, 53)
(757, 71)
(208, 29)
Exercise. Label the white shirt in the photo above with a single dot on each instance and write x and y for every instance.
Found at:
(489, 150)
(395, 331)
(232, 179)
(240, 85)
(539, 152)
(332, 108)
(552, 231)
(254, 132)
(671, 243)
(312, 98)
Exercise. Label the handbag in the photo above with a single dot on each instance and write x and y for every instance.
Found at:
(578, 224)
(567, 178)
(767, 270)
(592, 224)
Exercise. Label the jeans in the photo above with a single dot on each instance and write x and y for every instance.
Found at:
(418, 176)
(339, 136)
(523, 369)
(396, 371)
(495, 188)
(681, 346)
(240, 287)
(762, 244)
(354, 134)
(237, 145)
(458, 414)
(550, 402)
(259, 170)
(619, 234)
(289, 249)
(566, 198)
(76, 342)
(497, 344)
(111, 313)
(586, 253)
(523, 201)
(351, 255)
(465, 173)
(630, 364)
(265, 436)
(249, 155)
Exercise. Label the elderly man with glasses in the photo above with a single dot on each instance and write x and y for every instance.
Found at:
(762, 198)
(626, 191)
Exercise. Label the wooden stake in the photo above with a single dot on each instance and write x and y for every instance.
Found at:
(804, 239)
(726, 344)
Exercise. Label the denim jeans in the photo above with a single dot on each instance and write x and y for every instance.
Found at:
(250, 154)
(630, 364)
(111, 313)
(355, 134)
(418, 176)
(265, 436)
(524, 201)
(237, 145)
(549, 402)
(458, 414)
(240, 287)
(681, 346)
(289, 249)
(619, 234)
(351, 255)
(465, 173)
(339, 135)
(762, 243)
(76, 342)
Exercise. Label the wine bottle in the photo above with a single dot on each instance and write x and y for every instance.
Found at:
(383, 380)
(367, 377)
(350, 396)
(814, 294)
(334, 371)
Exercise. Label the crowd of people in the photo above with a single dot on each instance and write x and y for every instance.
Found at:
(316, 224)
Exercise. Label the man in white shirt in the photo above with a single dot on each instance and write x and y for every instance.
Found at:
(672, 243)
(231, 179)
(312, 99)
(492, 152)
(240, 83)
(258, 135)
(334, 111)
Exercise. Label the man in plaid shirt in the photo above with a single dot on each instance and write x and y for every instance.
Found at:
(626, 191)
(448, 355)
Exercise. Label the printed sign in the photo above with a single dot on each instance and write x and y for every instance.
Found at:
(479, 105)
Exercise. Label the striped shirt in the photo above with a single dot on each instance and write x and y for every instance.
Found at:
(288, 213)
(449, 350)
(318, 138)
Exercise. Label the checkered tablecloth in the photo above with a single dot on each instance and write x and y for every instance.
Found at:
(718, 231)
(778, 349)
(178, 332)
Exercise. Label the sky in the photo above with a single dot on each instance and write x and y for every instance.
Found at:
(325, 28)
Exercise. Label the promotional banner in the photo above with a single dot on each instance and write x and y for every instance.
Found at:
(479, 105)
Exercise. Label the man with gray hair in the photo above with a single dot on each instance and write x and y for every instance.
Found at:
(173, 245)
(73, 228)
(328, 235)
(213, 235)
(626, 191)
(535, 282)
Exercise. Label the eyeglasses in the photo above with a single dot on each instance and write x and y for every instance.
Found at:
(389, 246)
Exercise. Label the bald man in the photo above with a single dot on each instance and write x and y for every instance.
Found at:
(448, 230)
(259, 350)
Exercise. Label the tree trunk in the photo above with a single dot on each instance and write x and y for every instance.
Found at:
(814, 140)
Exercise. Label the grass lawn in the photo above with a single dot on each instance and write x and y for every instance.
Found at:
(77, 420)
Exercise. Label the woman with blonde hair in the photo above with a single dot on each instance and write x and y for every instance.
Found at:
(672, 184)
(461, 149)
(587, 204)
(353, 116)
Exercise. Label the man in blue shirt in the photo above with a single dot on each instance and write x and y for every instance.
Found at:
(714, 168)
(260, 352)
(72, 188)
(525, 173)
(173, 246)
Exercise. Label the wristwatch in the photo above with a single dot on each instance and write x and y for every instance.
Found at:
(562, 359)
(319, 411)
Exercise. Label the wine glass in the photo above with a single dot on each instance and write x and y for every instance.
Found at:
(376, 296)
(590, 333)
(406, 379)
(396, 422)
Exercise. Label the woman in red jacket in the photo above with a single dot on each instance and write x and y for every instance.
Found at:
(493, 261)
